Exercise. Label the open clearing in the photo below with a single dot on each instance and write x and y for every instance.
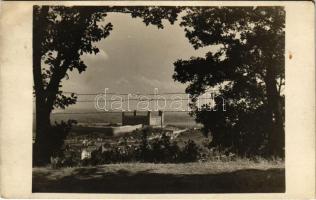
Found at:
(205, 177)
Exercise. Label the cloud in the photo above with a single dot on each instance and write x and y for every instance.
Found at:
(99, 57)
(122, 81)
(164, 86)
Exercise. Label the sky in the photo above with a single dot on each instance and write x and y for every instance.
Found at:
(134, 58)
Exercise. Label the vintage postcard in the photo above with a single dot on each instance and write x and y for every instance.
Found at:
(145, 99)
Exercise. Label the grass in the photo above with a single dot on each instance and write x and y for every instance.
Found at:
(206, 177)
(234, 176)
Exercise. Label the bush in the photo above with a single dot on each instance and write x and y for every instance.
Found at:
(190, 152)
(58, 134)
(161, 149)
(71, 159)
(174, 151)
(143, 152)
(97, 157)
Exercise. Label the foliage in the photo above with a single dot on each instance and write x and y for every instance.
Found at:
(163, 150)
(158, 150)
(56, 135)
(59, 134)
(190, 152)
(151, 14)
(248, 70)
(61, 36)
(70, 159)
(64, 34)
(144, 147)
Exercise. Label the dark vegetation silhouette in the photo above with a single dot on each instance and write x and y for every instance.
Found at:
(249, 66)
(60, 36)
(159, 150)
(248, 69)
(149, 147)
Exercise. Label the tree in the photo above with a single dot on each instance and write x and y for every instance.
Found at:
(248, 69)
(60, 36)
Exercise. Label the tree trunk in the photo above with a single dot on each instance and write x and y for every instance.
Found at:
(45, 97)
(40, 148)
(276, 132)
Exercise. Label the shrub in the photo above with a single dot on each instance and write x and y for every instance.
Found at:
(59, 132)
(97, 157)
(161, 149)
(174, 152)
(190, 152)
(71, 159)
(55, 162)
(144, 151)
(51, 145)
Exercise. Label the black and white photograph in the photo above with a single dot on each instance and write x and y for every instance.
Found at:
(158, 99)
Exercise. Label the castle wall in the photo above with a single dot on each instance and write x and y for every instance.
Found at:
(148, 119)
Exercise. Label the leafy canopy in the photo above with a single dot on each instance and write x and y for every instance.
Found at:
(69, 32)
(247, 66)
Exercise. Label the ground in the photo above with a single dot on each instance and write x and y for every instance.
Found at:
(200, 177)
(237, 175)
